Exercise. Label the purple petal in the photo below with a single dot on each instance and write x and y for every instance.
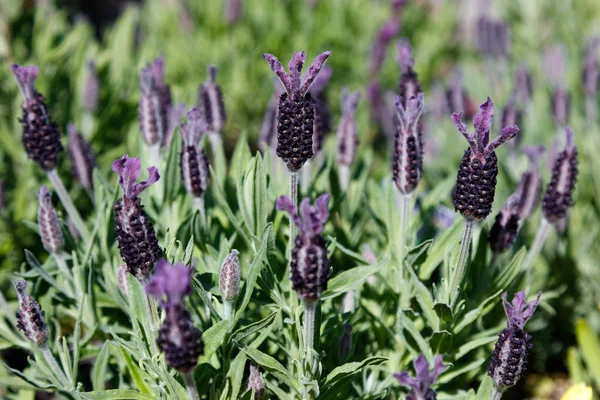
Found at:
(482, 122)
(322, 80)
(278, 69)
(128, 170)
(422, 369)
(156, 285)
(531, 308)
(26, 76)
(534, 153)
(322, 204)
(387, 32)
(507, 133)
(405, 379)
(295, 68)
(153, 176)
(570, 139)
(193, 131)
(405, 55)
(172, 281)
(438, 368)
(462, 128)
(313, 71)
(284, 203)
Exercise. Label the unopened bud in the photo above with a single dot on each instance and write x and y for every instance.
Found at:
(30, 316)
(50, 230)
(229, 277)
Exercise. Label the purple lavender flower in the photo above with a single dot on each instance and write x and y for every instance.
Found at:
(41, 137)
(420, 387)
(407, 162)
(233, 11)
(561, 104)
(476, 180)
(530, 185)
(136, 238)
(511, 115)
(591, 68)
(229, 276)
(559, 193)
(296, 112)
(82, 157)
(509, 359)
(48, 222)
(379, 47)
(176, 113)
(376, 101)
(178, 338)
(309, 265)
(322, 124)
(194, 163)
(91, 88)
(155, 103)
(523, 84)
(555, 64)
(409, 85)
(255, 383)
(347, 137)
(457, 97)
(506, 227)
(210, 102)
(30, 316)
(493, 37)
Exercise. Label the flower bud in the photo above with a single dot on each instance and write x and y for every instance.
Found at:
(255, 383)
(195, 167)
(229, 277)
(91, 88)
(407, 161)
(409, 85)
(41, 137)
(82, 158)
(48, 222)
(347, 136)
(30, 316)
(210, 102)
(155, 103)
(506, 227)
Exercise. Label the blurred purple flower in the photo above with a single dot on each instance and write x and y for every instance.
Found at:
(380, 45)
(420, 387)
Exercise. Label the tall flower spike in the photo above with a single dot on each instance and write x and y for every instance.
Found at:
(420, 387)
(509, 359)
(511, 115)
(178, 338)
(48, 222)
(506, 227)
(380, 45)
(309, 265)
(458, 98)
(89, 98)
(530, 185)
(41, 137)
(347, 136)
(295, 126)
(30, 316)
(559, 193)
(407, 162)
(409, 85)
(210, 102)
(195, 171)
(322, 123)
(591, 68)
(82, 158)
(476, 180)
(155, 103)
(136, 237)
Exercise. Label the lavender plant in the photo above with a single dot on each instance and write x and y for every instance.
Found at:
(347, 136)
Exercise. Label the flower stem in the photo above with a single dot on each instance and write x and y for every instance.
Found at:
(67, 203)
(228, 312)
(404, 205)
(58, 372)
(190, 385)
(310, 307)
(306, 178)
(344, 172)
(534, 251)
(294, 198)
(461, 263)
(199, 204)
(66, 274)
(590, 110)
(496, 394)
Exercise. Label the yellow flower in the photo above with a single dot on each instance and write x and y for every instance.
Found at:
(578, 392)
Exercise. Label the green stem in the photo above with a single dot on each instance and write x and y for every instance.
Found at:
(58, 371)
(496, 394)
(190, 385)
(293, 229)
(67, 203)
(154, 324)
(199, 204)
(344, 174)
(306, 178)
(404, 205)
(310, 307)
(66, 273)
(534, 251)
(461, 263)
(228, 312)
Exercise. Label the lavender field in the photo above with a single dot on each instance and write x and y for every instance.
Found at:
(299, 199)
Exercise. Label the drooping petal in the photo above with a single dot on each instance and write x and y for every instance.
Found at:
(26, 76)
(278, 69)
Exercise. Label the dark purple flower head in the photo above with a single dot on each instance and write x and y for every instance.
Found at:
(210, 102)
(128, 170)
(591, 69)
(559, 193)
(506, 227)
(170, 283)
(91, 88)
(295, 85)
(420, 387)
(41, 137)
(530, 186)
(409, 85)
(48, 222)
(30, 316)
(309, 265)
(347, 136)
(155, 102)
(379, 47)
(195, 167)
(407, 161)
(519, 311)
(82, 157)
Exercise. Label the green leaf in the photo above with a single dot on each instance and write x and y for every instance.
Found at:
(271, 365)
(236, 374)
(473, 344)
(449, 239)
(99, 367)
(443, 311)
(411, 328)
(137, 374)
(456, 372)
(351, 279)
(474, 314)
(117, 394)
(350, 368)
(425, 299)
(248, 330)
(171, 178)
(418, 254)
(589, 344)
(138, 304)
(213, 339)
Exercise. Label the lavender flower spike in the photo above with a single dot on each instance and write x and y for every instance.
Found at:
(509, 359)
(178, 338)
(41, 137)
(379, 47)
(421, 385)
(530, 185)
(407, 162)
(30, 317)
(48, 222)
(155, 103)
(559, 193)
(195, 171)
(476, 180)
(82, 158)
(296, 112)
(409, 85)
(136, 237)
(229, 277)
(176, 113)
(591, 68)
(347, 137)
(210, 102)
(91, 88)
(506, 227)
(309, 264)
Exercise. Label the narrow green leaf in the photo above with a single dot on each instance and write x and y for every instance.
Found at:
(99, 367)
(449, 239)
(213, 339)
(351, 279)
(117, 394)
(272, 365)
(248, 330)
(350, 369)
(137, 375)
(589, 344)
(236, 374)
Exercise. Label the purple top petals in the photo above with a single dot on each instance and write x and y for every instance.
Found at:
(128, 170)
(311, 218)
(421, 385)
(172, 281)
(195, 128)
(518, 312)
(405, 55)
(26, 76)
